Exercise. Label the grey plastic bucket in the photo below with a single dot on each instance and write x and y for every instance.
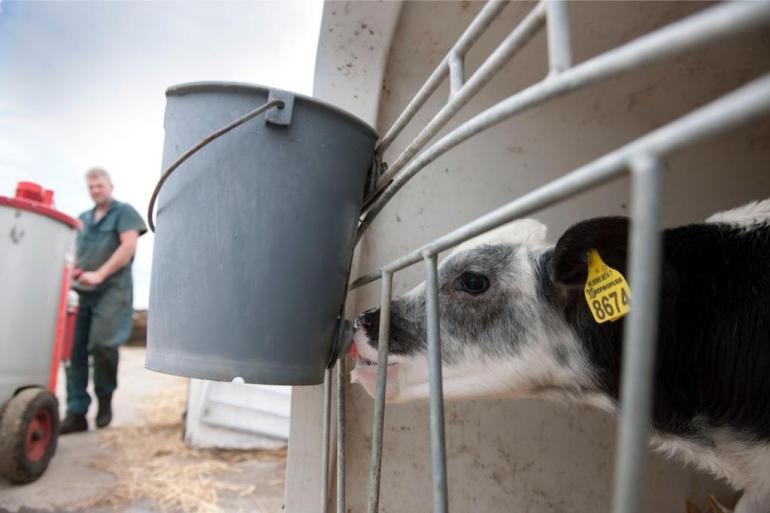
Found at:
(254, 234)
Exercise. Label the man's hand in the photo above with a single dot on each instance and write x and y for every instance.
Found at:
(119, 258)
(91, 278)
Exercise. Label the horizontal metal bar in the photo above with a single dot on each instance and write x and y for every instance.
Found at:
(515, 41)
(677, 37)
(640, 337)
(559, 51)
(341, 380)
(437, 442)
(363, 280)
(375, 464)
(746, 103)
(475, 30)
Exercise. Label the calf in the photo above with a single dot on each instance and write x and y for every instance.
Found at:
(515, 322)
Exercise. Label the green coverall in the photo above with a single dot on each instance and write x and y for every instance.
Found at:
(105, 316)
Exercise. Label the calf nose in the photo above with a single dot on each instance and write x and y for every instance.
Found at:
(369, 322)
(361, 323)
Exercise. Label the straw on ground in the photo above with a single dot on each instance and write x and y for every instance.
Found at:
(152, 463)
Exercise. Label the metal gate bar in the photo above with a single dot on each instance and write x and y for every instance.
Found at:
(341, 378)
(559, 50)
(437, 442)
(379, 399)
(677, 37)
(326, 439)
(747, 103)
(475, 30)
(463, 93)
(640, 338)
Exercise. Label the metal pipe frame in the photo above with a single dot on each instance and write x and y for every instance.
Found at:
(641, 157)
(640, 338)
(326, 439)
(559, 49)
(475, 30)
(437, 439)
(379, 397)
(456, 73)
(693, 31)
(341, 379)
(745, 104)
(515, 41)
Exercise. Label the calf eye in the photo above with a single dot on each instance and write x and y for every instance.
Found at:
(472, 283)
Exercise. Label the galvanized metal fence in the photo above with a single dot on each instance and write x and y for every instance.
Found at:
(641, 158)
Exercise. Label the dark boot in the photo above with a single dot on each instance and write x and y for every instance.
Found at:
(104, 414)
(73, 423)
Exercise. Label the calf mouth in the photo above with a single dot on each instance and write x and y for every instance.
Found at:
(365, 372)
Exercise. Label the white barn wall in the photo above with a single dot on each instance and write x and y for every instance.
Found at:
(534, 456)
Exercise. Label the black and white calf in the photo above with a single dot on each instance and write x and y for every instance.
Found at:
(515, 323)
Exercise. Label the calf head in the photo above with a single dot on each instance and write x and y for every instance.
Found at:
(504, 331)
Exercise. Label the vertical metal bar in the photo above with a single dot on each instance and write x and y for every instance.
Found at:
(438, 445)
(559, 50)
(640, 335)
(375, 464)
(326, 440)
(341, 377)
(456, 73)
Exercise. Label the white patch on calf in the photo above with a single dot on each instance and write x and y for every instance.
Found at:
(528, 232)
(535, 372)
(751, 215)
(366, 375)
(742, 464)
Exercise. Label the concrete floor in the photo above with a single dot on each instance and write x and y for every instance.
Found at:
(71, 479)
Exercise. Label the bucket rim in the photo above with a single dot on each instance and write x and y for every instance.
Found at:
(203, 86)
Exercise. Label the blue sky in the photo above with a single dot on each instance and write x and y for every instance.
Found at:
(82, 84)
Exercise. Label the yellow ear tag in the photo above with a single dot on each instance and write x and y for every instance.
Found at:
(607, 292)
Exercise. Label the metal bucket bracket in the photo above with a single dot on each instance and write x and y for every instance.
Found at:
(343, 339)
(281, 116)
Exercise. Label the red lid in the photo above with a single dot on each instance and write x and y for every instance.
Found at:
(33, 198)
(30, 191)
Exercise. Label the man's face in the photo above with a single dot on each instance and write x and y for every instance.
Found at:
(100, 190)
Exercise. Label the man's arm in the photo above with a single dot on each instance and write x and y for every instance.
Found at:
(119, 259)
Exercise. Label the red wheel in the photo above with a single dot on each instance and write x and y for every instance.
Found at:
(39, 435)
(28, 433)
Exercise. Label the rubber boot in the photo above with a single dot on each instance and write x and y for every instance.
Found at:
(73, 423)
(104, 414)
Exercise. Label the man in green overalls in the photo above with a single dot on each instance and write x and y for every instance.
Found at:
(105, 251)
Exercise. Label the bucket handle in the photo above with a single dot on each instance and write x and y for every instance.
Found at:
(272, 103)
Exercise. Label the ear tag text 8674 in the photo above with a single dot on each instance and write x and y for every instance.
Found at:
(607, 292)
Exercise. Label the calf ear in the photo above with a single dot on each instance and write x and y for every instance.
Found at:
(569, 260)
